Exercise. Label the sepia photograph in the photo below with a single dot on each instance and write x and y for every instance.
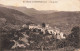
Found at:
(39, 25)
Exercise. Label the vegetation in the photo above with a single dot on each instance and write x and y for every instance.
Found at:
(36, 40)
(74, 37)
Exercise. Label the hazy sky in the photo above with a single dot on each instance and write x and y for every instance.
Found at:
(60, 5)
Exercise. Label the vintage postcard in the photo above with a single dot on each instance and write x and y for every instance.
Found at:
(39, 25)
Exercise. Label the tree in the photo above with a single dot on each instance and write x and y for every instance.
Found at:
(43, 24)
(74, 36)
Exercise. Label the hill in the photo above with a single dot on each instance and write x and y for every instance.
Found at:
(10, 17)
(64, 20)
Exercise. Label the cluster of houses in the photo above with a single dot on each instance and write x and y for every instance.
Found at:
(55, 31)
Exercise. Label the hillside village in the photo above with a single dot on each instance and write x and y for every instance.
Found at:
(45, 28)
(36, 29)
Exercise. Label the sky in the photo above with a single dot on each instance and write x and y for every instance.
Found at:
(59, 5)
